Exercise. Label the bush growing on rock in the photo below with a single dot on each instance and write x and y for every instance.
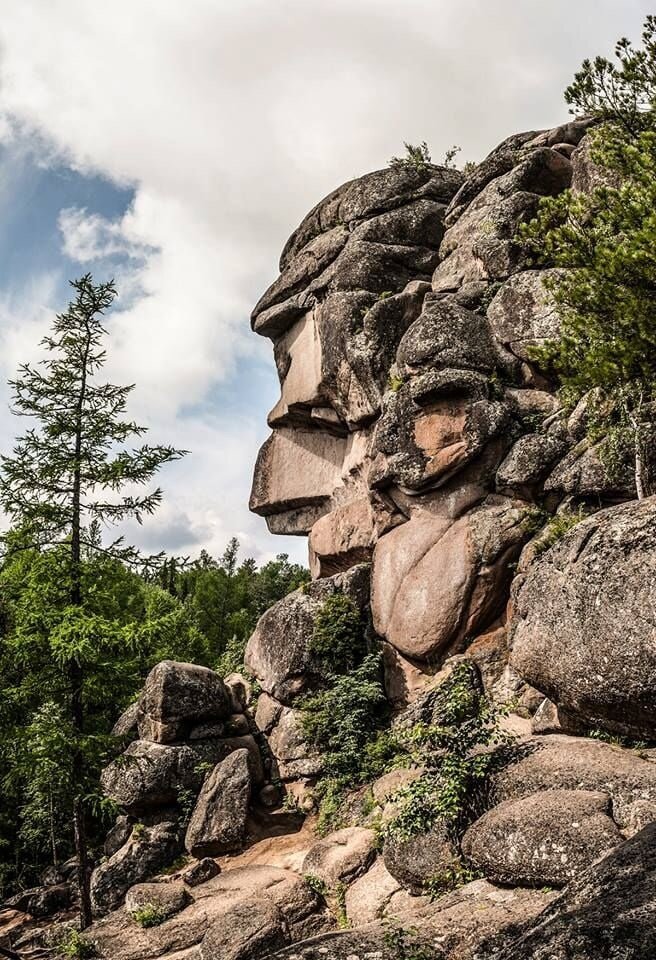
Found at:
(454, 751)
(417, 157)
(604, 239)
(345, 722)
(338, 639)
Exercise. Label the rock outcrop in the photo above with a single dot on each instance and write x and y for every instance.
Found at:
(425, 454)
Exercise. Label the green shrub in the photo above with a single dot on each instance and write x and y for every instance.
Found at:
(338, 640)
(338, 896)
(74, 946)
(452, 754)
(316, 884)
(557, 527)
(405, 944)
(417, 157)
(150, 915)
(342, 719)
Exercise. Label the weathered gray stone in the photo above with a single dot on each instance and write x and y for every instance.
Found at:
(523, 314)
(447, 335)
(149, 775)
(149, 849)
(609, 911)
(42, 901)
(368, 896)
(166, 898)
(117, 836)
(248, 930)
(547, 838)
(341, 856)
(278, 652)
(294, 756)
(127, 722)
(218, 821)
(117, 937)
(479, 246)
(176, 696)
(529, 461)
(559, 762)
(583, 631)
(421, 858)
(200, 871)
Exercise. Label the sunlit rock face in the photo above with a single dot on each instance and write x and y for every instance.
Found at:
(414, 429)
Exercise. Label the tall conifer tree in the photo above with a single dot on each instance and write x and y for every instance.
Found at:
(67, 476)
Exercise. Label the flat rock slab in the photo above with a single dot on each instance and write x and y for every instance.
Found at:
(560, 762)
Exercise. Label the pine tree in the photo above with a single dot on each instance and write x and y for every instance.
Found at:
(66, 478)
(605, 243)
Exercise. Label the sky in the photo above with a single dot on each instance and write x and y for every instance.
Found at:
(175, 146)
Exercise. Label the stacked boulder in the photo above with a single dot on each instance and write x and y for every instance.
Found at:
(184, 784)
(280, 655)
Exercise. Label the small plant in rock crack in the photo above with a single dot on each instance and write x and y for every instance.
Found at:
(75, 946)
(406, 945)
(417, 157)
(186, 801)
(338, 896)
(457, 875)
(557, 527)
(149, 915)
(457, 755)
(316, 884)
(139, 831)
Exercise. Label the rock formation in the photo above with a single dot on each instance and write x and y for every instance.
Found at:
(421, 450)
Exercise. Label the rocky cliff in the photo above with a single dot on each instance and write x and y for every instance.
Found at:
(422, 452)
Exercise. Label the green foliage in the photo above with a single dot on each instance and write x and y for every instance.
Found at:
(621, 92)
(605, 243)
(338, 896)
(74, 946)
(406, 944)
(316, 884)
(395, 382)
(454, 758)
(149, 915)
(417, 157)
(449, 160)
(556, 529)
(342, 719)
(456, 875)
(338, 640)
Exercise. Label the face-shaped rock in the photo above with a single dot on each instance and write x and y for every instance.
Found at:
(353, 279)
(406, 381)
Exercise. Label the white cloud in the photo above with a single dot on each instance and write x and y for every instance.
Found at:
(90, 236)
(230, 120)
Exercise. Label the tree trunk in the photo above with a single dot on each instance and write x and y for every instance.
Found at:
(53, 838)
(76, 671)
(639, 474)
